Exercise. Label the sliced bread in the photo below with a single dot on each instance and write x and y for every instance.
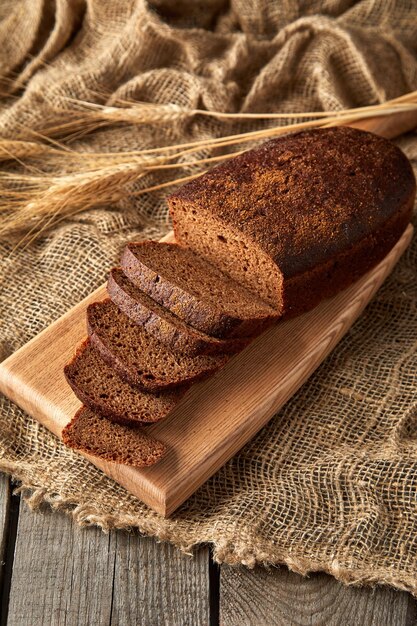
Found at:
(194, 290)
(139, 358)
(99, 387)
(164, 325)
(90, 433)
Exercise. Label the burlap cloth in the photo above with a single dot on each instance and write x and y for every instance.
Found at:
(331, 483)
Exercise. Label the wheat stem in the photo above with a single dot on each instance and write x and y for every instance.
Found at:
(37, 197)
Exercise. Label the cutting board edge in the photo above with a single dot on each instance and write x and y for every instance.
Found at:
(172, 500)
(138, 483)
(124, 475)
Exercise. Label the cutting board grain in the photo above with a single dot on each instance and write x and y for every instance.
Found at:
(216, 417)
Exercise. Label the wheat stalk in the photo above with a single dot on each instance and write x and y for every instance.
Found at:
(149, 113)
(35, 197)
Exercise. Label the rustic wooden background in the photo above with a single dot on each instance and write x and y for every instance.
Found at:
(54, 573)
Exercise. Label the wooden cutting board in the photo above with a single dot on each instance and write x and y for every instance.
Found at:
(216, 417)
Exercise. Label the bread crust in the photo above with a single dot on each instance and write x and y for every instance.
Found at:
(194, 311)
(329, 278)
(144, 374)
(313, 202)
(139, 408)
(95, 435)
(164, 325)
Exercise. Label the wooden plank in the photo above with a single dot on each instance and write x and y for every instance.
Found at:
(215, 418)
(279, 597)
(62, 574)
(156, 585)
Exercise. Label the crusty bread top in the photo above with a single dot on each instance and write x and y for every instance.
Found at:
(195, 290)
(305, 197)
(162, 324)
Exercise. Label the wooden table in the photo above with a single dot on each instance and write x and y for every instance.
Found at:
(55, 573)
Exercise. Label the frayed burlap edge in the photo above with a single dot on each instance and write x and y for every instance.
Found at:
(229, 550)
(252, 52)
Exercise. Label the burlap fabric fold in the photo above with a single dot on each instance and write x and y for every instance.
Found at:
(331, 483)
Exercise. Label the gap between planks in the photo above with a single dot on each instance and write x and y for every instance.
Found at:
(72, 576)
(65, 575)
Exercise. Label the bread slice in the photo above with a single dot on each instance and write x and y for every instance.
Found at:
(90, 433)
(300, 217)
(195, 291)
(98, 386)
(140, 359)
(164, 325)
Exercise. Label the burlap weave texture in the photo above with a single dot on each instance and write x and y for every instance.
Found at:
(330, 484)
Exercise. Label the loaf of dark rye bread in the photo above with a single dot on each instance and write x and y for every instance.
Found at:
(300, 217)
(195, 290)
(92, 434)
(162, 324)
(99, 387)
(139, 358)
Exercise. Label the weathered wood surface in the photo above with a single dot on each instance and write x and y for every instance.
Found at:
(278, 597)
(65, 575)
(204, 430)
(156, 585)
(62, 574)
